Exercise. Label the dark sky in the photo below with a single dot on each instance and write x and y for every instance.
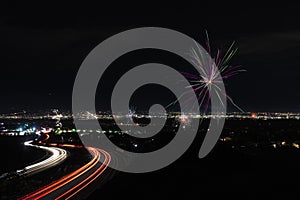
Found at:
(42, 49)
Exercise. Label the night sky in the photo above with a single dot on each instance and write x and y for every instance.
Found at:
(42, 49)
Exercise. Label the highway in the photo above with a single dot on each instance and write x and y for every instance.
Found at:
(58, 155)
(70, 185)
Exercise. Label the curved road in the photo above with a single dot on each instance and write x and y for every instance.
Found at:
(71, 184)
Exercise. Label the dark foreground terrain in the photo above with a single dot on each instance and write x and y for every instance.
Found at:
(252, 158)
(257, 159)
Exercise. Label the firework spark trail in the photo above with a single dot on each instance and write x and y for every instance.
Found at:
(210, 75)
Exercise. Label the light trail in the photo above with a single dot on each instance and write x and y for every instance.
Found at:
(73, 191)
(58, 156)
(73, 183)
(47, 137)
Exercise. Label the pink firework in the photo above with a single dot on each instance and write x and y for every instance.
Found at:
(212, 74)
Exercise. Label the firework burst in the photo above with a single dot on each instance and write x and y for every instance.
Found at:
(131, 114)
(212, 74)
